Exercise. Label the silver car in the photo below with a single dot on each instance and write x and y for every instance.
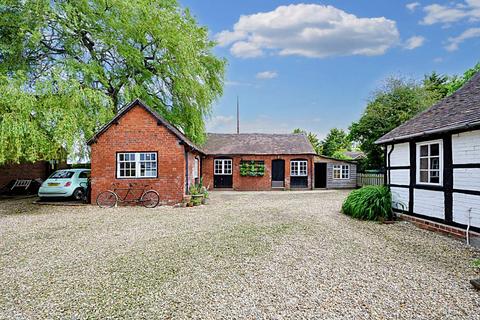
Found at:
(65, 184)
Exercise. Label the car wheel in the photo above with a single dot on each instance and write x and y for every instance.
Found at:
(78, 194)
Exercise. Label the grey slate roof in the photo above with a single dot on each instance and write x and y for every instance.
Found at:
(354, 154)
(159, 118)
(457, 111)
(257, 144)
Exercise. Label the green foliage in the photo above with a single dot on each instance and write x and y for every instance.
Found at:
(115, 49)
(476, 263)
(252, 168)
(50, 120)
(336, 140)
(340, 154)
(389, 107)
(369, 203)
(456, 82)
(312, 137)
(436, 84)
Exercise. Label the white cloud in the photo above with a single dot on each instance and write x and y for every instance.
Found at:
(438, 60)
(454, 42)
(412, 6)
(246, 49)
(309, 30)
(445, 14)
(414, 42)
(236, 83)
(267, 75)
(219, 123)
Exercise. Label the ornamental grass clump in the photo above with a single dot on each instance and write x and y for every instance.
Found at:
(369, 203)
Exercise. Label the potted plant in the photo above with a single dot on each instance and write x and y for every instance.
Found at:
(204, 191)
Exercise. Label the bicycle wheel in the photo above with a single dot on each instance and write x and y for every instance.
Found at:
(107, 199)
(150, 199)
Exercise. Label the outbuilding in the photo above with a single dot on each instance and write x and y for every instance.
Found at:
(331, 173)
(433, 162)
(258, 161)
(140, 147)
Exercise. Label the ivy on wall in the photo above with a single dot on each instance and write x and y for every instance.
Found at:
(251, 168)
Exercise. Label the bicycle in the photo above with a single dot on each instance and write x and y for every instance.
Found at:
(110, 198)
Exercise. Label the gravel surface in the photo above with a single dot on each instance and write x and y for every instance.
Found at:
(275, 255)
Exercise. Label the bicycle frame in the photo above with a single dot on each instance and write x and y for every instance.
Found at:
(130, 191)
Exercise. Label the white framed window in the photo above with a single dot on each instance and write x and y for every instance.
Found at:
(298, 168)
(341, 171)
(196, 166)
(223, 167)
(429, 162)
(136, 165)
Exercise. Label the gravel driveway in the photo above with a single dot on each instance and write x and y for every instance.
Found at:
(276, 255)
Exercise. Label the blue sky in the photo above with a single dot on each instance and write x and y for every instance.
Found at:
(314, 64)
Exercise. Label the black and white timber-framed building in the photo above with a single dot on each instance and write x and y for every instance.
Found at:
(433, 161)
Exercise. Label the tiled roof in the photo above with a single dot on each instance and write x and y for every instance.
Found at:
(354, 154)
(257, 143)
(459, 110)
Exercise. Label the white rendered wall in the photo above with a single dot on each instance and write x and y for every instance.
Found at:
(466, 178)
(462, 204)
(466, 147)
(400, 177)
(429, 203)
(400, 198)
(400, 155)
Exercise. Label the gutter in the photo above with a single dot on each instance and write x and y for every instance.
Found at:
(429, 132)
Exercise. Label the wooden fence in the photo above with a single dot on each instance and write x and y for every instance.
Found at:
(369, 179)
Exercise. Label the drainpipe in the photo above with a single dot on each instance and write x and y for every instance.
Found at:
(468, 225)
(389, 163)
(187, 182)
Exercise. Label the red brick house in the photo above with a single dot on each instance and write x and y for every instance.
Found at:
(139, 146)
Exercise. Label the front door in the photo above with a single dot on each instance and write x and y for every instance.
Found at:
(320, 175)
(222, 173)
(278, 173)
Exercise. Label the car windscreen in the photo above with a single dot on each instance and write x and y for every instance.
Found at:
(62, 175)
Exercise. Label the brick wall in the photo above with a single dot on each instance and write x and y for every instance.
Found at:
(34, 170)
(138, 131)
(438, 227)
(255, 183)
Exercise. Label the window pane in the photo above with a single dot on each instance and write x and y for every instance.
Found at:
(434, 163)
(424, 151)
(434, 149)
(423, 176)
(434, 180)
(336, 174)
(424, 163)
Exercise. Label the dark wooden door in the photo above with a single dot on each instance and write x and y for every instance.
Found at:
(320, 175)
(222, 177)
(278, 173)
(222, 181)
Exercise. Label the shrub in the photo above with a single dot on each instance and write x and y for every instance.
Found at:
(369, 203)
(476, 263)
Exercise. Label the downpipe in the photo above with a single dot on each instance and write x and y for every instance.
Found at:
(468, 225)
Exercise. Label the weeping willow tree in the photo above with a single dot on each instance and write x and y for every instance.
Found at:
(48, 121)
(68, 65)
